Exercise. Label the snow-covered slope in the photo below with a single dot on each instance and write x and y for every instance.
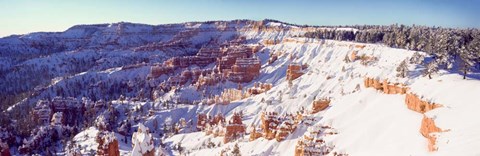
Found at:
(368, 122)
(116, 61)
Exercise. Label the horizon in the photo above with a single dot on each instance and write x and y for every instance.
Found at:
(27, 16)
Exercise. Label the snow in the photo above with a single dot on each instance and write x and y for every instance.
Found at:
(368, 122)
(86, 140)
(142, 141)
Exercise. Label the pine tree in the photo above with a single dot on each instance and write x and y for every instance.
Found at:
(236, 150)
(402, 69)
(346, 59)
(431, 68)
(179, 148)
(416, 58)
(467, 56)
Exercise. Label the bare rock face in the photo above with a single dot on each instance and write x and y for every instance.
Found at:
(287, 127)
(107, 144)
(254, 134)
(353, 56)
(245, 70)
(269, 124)
(294, 71)
(385, 86)
(259, 88)
(416, 104)
(235, 128)
(320, 105)
(276, 126)
(270, 42)
(201, 121)
(313, 143)
(428, 127)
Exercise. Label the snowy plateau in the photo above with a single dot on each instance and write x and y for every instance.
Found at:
(236, 87)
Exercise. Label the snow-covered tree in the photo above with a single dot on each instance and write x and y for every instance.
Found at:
(416, 58)
(402, 69)
(430, 69)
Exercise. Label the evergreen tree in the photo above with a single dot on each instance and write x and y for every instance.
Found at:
(431, 68)
(236, 150)
(402, 69)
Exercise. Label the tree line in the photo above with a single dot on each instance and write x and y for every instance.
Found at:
(450, 48)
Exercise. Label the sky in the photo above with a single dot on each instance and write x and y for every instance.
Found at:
(25, 16)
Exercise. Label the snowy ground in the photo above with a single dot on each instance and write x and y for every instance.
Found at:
(368, 122)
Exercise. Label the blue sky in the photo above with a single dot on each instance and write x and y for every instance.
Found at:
(24, 16)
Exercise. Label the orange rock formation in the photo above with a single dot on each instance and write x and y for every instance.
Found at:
(416, 104)
(385, 86)
(234, 129)
(254, 134)
(320, 105)
(294, 71)
(428, 127)
(107, 144)
(312, 142)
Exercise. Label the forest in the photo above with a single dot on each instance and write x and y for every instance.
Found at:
(452, 49)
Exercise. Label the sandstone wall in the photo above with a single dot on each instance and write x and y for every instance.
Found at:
(414, 103)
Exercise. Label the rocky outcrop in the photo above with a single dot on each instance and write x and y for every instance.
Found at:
(353, 56)
(234, 94)
(294, 71)
(427, 129)
(235, 62)
(201, 121)
(259, 88)
(270, 122)
(69, 108)
(229, 95)
(272, 58)
(235, 128)
(270, 42)
(254, 133)
(313, 143)
(4, 149)
(414, 103)
(278, 127)
(287, 127)
(107, 144)
(360, 46)
(244, 70)
(320, 105)
(385, 86)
